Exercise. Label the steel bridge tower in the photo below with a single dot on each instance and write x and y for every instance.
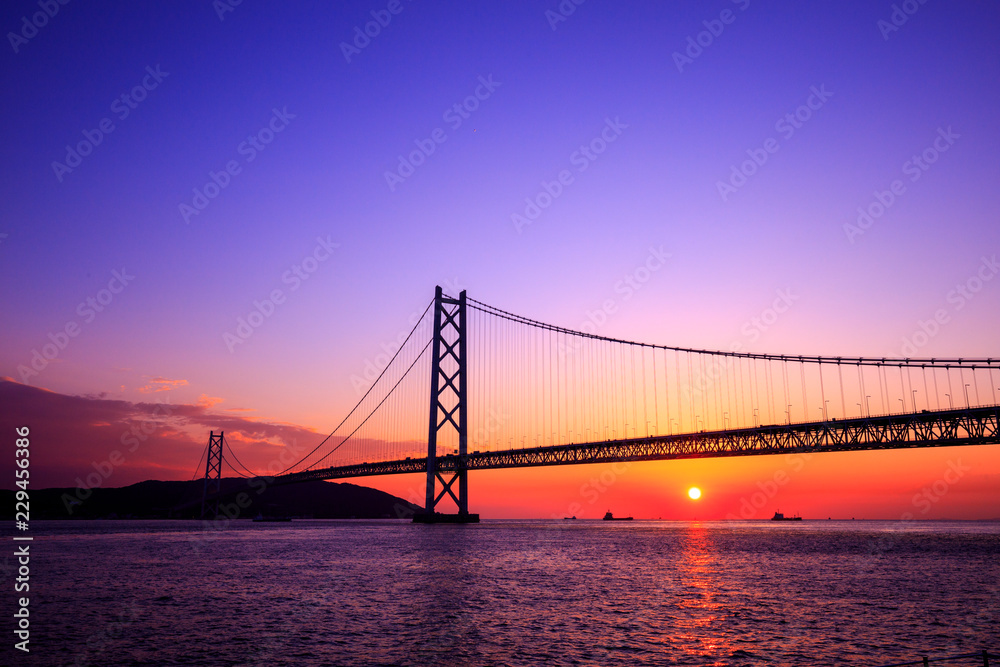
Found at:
(449, 399)
(213, 466)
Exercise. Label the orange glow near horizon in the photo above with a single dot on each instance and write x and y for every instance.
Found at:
(897, 485)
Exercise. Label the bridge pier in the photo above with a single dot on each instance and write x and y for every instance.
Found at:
(448, 346)
(438, 517)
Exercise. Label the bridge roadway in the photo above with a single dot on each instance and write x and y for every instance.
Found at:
(942, 428)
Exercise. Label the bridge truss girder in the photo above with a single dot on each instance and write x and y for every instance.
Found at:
(945, 428)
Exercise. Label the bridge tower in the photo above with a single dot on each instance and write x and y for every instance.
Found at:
(449, 403)
(213, 485)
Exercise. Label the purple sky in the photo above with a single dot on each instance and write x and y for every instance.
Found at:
(675, 120)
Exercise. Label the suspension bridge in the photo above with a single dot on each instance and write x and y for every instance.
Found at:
(506, 391)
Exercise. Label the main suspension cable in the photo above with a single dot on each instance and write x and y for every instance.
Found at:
(968, 363)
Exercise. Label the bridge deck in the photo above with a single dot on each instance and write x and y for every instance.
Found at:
(944, 428)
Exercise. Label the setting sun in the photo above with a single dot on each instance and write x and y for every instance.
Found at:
(694, 493)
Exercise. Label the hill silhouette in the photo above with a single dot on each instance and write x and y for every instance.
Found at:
(241, 499)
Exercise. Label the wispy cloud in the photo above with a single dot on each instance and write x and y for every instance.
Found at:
(159, 384)
(207, 401)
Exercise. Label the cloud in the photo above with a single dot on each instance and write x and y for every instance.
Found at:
(207, 401)
(72, 436)
(159, 384)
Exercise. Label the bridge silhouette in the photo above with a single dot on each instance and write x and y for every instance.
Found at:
(506, 391)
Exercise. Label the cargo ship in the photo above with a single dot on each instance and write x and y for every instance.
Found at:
(611, 517)
(778, 516)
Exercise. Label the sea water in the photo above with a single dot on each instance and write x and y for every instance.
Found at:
(508, 593)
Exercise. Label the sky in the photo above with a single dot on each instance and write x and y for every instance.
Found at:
(168, 170)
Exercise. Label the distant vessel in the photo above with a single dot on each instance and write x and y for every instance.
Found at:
(611, 517)
(569, 518)
(261, 517)
(778, 516)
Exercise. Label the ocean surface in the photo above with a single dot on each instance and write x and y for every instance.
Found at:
(507, 593)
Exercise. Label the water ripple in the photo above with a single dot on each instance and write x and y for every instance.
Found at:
(510, 593)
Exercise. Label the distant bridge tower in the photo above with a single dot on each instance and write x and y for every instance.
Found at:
(213, 485)
(449, 409)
